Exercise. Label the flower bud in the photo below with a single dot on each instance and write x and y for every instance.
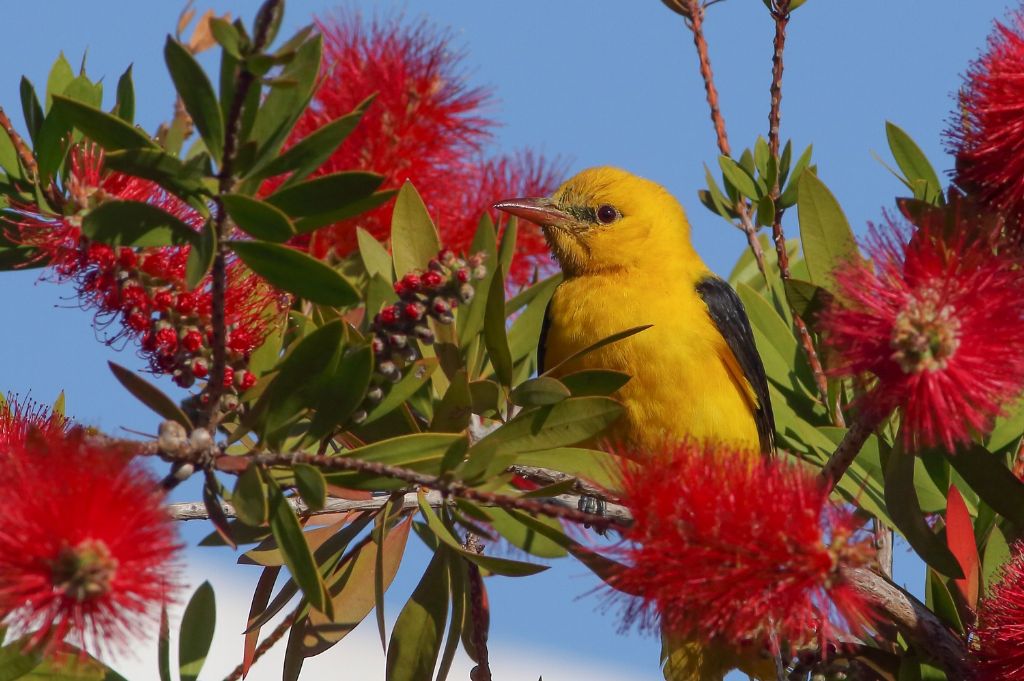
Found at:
(377, 344)
(398, 340)
(389, 371)
(200, 440)
(433, 280)
(466, 292)
(374, 395)
(359, 416)
(424, 333)
(413, 311)
(171, 437)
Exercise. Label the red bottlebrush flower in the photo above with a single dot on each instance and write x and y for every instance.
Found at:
(140, 291)
(426, 125)
(1000, 627)
(936, 319)
(988, 128)
(72, 564)
(731, 548)
(19, 418)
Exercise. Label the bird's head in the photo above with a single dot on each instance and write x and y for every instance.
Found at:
(606, 219)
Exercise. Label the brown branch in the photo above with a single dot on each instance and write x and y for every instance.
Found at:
(24, 153)
(695, 22)
(276, 635)
(226, 180)
(837, 465)
(919, 625)
(480, 618)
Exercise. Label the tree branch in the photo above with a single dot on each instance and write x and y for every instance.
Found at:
(925, 631)
(837, 465)
(695, 22)
(24, 153)
(226, 182)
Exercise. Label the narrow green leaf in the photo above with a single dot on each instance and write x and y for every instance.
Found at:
(309, 482)
(258, 219)
(457, 581)
(997, 554)
(913, 162)
(325, 194)
(60, 76)
(31, 108)
(150, 395)
(792, 193)
(124, 107)
(539, 391)
(16, 661)
(376, 258)
(992, 480)
(227, 36)
(902, 503)
(197, 94)
(740, 178)
(133, 223)
(414, 238)
(152, 163)
(827, 239)
(201, 256)
(495, 337)
(295, 550)
(311, 151)
(110, 132)
(470, 320)
(343, 392)
(295, 272)
(250, 497)
(282, 106)
(196, 633)
(594, 382)
(416, 638)
(507, 247)
(414, 379)
(614, 338)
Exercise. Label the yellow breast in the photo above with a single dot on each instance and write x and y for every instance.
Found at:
(681, 385)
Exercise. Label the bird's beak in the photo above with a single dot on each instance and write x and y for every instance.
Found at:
(540, 211)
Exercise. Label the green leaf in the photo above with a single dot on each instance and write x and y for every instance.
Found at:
(258, 219)
(507, 247)
(589, 464)
(940, 600)
(376, 258)
(997, 554)
(295, 551)
(827, 240)
(792, 193)
(201, 256)
(325, 194)
(282, 106)
(614, 338)
(310, 483)
(914, 164)
(740, 178)
(417, 375)
(31, 108)
(539, 391)
(196, 633)
(312, 150)
(250, 497)
(806, 298)
(150, 395)
(902, 503)
(155, 164)
(416, 638)
(988, 475)
(414, 239)
(528, 533)
(133, 223)
(499, 566)
(594, 382)
(495, 337)
(227, 36)
(60, 77)
(342, 392)
(295, 272)
(16, 661)
(108, 131)
(197, 94)
(470, 320)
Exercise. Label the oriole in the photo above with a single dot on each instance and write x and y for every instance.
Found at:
(624, 247)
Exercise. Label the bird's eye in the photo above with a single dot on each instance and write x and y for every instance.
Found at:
(606, 214)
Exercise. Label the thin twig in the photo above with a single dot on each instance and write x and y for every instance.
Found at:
(226, 182)
(276, 635)
(695, 22)
(837, 465)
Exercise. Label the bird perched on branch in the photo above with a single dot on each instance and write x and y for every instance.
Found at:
(623, 244)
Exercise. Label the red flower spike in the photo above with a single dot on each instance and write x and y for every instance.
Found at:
(988, 129)
(192, 341)
(18, 418)
(937, 321)
(167, 340)
(127, 286)
(71, 566)
(426, 125)
(729, 547)
(1000, 627)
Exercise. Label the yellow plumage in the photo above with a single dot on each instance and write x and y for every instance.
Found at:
(624, 246)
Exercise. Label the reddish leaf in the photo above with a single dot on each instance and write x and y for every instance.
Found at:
(260, 599)
(960, 538)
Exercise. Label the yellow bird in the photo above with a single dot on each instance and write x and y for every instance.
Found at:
(623, 244)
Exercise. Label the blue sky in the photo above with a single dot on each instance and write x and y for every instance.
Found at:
(597, 82)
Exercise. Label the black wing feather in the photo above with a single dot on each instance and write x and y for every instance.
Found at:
(727, 311)
(542, 343)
